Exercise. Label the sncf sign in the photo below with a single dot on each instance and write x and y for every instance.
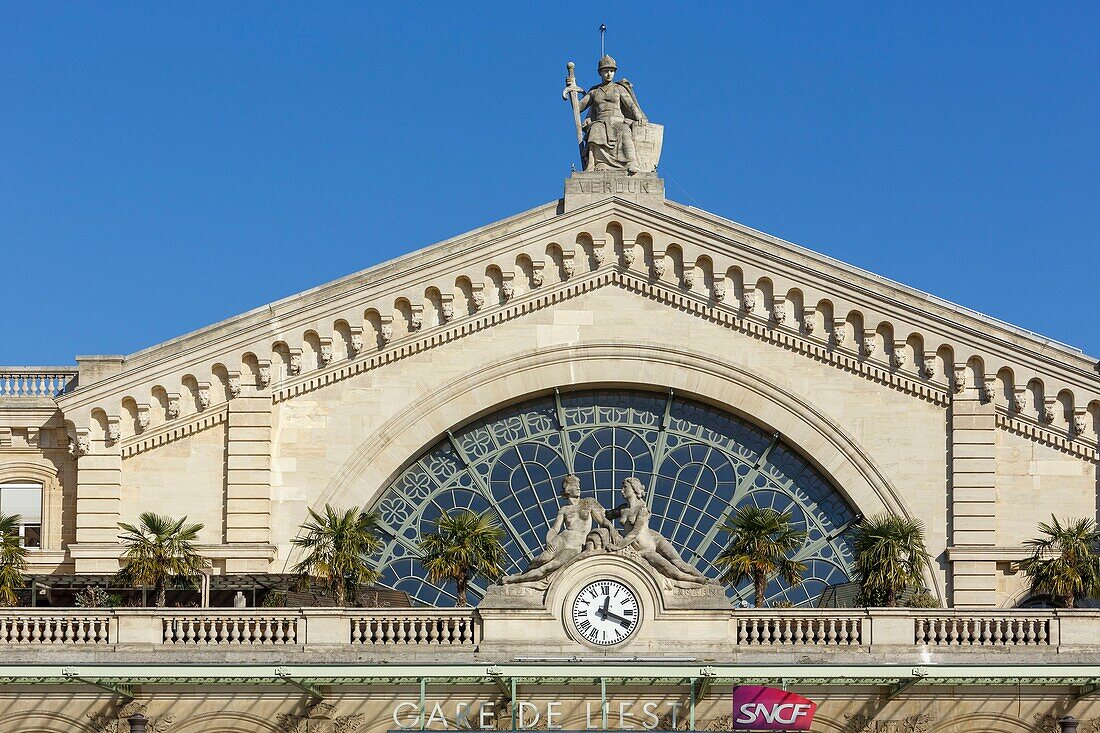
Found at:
(766, 708)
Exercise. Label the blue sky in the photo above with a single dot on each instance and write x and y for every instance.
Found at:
(167, 165)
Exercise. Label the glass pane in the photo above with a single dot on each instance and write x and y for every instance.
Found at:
(24, 500)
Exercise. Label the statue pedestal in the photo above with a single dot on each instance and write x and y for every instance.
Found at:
(587, 187)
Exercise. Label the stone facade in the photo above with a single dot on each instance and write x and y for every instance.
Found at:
(905, 403)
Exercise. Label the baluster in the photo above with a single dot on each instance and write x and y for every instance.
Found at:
(24, 632)
(830, 636)
(785, 636)
(987, 625)
(1030, 632)
(1043, 629)
(357, 631)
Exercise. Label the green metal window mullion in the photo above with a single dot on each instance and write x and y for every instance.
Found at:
(482, 489)
(739, 493)
(513, 704)
(566, 447)
(659, 450)
(825, 539)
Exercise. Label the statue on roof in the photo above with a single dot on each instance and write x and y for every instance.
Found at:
(616, 134)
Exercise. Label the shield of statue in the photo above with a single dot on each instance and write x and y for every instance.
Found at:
(647, 144)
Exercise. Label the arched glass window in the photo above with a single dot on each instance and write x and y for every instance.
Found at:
(24, 499)
(698, 464)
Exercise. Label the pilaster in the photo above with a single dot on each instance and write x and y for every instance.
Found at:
(248, 478)
(973, 497)
(98, 509)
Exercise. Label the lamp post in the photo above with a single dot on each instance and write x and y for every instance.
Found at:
(1068, 724)
(137, 723)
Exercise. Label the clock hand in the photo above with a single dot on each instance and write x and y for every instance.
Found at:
(616, 617)
(606, 601)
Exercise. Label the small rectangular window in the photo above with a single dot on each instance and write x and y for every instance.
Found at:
(25, 500)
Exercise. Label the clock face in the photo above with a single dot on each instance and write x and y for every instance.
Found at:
(605, 612)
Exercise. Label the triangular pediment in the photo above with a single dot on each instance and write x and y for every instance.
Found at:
(687, 258)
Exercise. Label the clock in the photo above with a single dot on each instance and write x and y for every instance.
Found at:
(605, 612)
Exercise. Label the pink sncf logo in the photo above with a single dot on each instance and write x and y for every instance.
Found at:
(766, 708)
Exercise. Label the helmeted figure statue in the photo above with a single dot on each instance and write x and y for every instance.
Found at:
(614, 119)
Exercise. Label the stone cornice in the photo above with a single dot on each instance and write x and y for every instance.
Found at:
(941, 328)
(1061, 440)
(755, 326)
(174, 430)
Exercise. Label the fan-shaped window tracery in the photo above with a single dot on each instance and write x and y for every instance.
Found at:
(697, 462)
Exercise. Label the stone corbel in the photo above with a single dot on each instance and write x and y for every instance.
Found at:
(779, 309)
(416, 318)
(659, 266)
(324, 356)
(295, 366)
(478, 296)
(538, 276)
(989, 388)
(204, 395)
(900, 354)
(446, 307)
(387, 328)
(689, 277)
(1019, 398)
(748, 299)
(1048, 409)
(233, 383)
(568, 264)
(5, 437)
(143, 413)
(114, 429)
(80, 444)
(840, 331)
(33, 437)
(508, 286)
(959, 381)
(719, 289)
(1080, 421)
(870, 343)
(930, 364)
(629, 252)
(599, 251)
(172, 411)
(356, 346)
(263, 377)
(809, 319)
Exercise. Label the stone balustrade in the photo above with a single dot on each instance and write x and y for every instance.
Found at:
(985, 629)
(435, 627)
(461, 629)
(800, 628)
(18, 382)
(230, 629)
(63, 626)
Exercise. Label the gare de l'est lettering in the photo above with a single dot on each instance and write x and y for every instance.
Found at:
(606, 464)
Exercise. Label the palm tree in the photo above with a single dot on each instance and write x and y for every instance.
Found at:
(160, 550)
(338, 545)
(465, 545)
(13, 559)
(1065, 563)
(760, 543)
(890, 554)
